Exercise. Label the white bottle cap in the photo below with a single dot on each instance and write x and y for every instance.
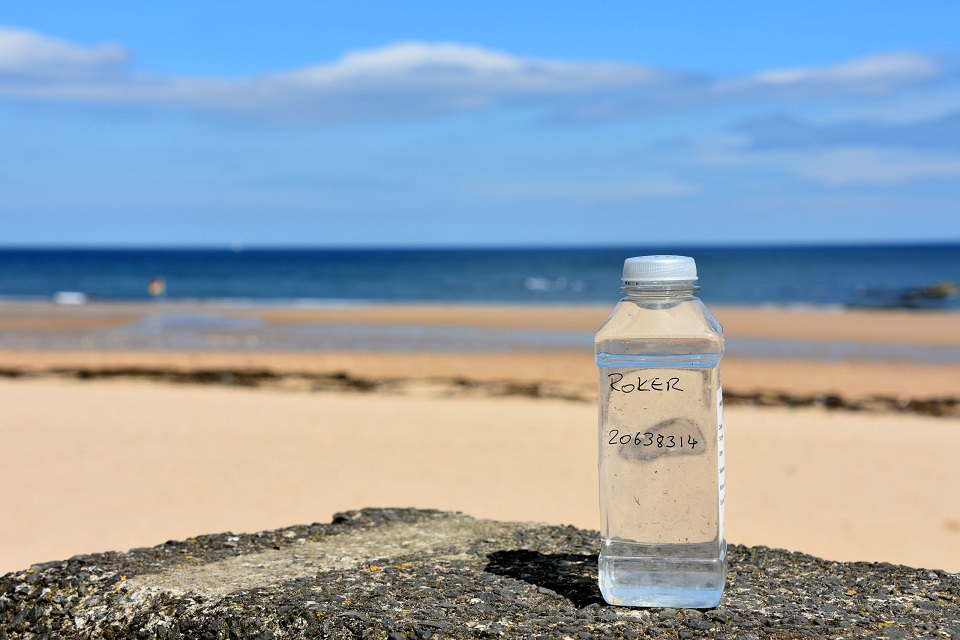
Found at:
(659, 269)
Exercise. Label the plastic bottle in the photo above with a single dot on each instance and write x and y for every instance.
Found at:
(661, 457)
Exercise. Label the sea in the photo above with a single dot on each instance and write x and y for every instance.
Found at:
(902, 276)
(921, 278)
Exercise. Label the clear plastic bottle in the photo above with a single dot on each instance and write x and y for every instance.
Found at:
(661, 444)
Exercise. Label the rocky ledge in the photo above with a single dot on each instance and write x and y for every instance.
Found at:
(393, 573)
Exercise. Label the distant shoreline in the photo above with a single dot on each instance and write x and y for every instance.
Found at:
(767, 332)
(339, 303)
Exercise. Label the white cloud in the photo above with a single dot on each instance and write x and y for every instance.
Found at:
(404, 80)
(875, 74)
(31, 56)
(871, 76)
(403, 57)
(417, 79)
(422, 80)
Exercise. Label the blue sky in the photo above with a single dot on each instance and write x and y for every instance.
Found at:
(478, 123)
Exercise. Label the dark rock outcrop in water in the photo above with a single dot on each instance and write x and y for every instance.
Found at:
(928, 296)
(391, 574)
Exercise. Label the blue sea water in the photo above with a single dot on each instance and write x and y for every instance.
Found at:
(836, 277)
(872, 276)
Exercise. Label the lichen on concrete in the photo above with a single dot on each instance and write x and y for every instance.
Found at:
(391, 574)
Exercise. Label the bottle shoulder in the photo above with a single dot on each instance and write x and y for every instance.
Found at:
(686, 321)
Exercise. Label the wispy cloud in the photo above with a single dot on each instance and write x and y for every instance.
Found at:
(873, 167)
(871, 76)
(780, 132)
(422, 80)
(838, 165)
(405, 80)
(27, 57)
(641, 187)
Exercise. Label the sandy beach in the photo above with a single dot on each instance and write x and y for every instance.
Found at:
(124, 461)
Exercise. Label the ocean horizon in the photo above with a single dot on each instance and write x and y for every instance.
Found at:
(921, 276)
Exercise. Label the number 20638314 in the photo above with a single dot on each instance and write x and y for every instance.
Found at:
(649, 439)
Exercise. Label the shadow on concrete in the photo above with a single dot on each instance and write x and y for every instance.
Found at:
(571, 575)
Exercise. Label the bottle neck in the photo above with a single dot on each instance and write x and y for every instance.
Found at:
(669, 290)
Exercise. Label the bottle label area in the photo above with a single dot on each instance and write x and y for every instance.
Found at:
(661, 457)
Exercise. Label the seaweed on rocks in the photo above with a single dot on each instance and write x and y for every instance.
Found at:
(342, 381)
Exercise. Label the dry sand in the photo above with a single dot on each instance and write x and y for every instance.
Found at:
(92, 466)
